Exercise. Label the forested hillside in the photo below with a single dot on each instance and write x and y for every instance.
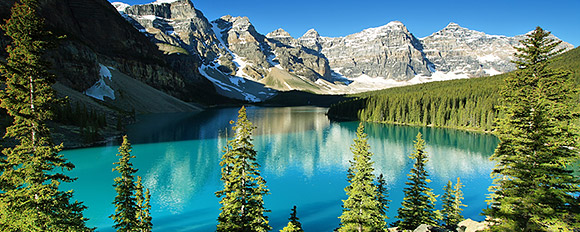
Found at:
(465, 103)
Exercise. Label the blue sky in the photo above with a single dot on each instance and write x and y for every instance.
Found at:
(422, 17)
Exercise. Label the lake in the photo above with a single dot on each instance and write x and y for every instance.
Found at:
(303, 157)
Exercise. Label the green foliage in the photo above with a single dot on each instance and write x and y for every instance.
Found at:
(468, 103)
(125, 203)
(143, 214)
(418, 206)
(131, 204)
(293, 225)
(363, 210)
(452, 204)
(382, 195)
(29, 196)
(242, 196)
(89, 121)
(291, 228)
(533, 184)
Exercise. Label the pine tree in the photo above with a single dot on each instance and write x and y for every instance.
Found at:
(362, 210)
(382, 195)
(242, 196)
(293, 225)
(533, 185)
(126, 208)
(452, 204)
(29, 196)
(143, 214)
(418, 206)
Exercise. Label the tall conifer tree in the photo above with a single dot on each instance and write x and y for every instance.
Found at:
(533, 185)
(418, 206)
(29, 196)
(452, 204)
(126, 208)
(362, 210)
(131, 203)
(242, 196)
(382, 195)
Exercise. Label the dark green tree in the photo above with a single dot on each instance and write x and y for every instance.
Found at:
(418, 206)
(382, 195)
(126, 208)
(534, 187)
(362, 210)
(452, 204)
(131, 204)
(29, 196)
(293, 225)
(242, 196)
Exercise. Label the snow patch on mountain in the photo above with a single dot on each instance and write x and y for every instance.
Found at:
(159, 2)
(120, 6)
(100, 89)
(105, 72)
(488, 58)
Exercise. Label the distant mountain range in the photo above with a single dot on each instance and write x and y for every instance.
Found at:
(171, 46)
(244, 64)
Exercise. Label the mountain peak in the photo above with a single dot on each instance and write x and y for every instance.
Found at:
(120, 6)
(395, 24)
(311, 34)
(452, 24)
(159, 2)
(278, 33)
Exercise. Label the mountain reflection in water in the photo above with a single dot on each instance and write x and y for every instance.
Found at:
(304, 158)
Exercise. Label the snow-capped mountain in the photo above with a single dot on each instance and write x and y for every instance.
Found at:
(244, 64)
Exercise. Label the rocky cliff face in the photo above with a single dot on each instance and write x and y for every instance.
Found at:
(459, 50)
(97, 34)
(462, 51)
(175, 25)
(389, 51)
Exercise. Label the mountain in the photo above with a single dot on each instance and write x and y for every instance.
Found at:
(171, 46)
(247, 65)
(95, 35)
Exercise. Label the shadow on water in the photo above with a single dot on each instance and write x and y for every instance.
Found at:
(215, 123)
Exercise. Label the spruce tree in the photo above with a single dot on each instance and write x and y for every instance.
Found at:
(131, 204)
(533, 185)
(418, 206)
(293, 225)
(382, 195)
(242, 196)
(362, 210)
(452, 204)
(29, 196)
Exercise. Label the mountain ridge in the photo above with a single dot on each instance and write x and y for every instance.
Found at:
(374, 58)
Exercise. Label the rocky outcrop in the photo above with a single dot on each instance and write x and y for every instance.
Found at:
(291, 55)
(177, 24)
(463, 51)
(389, 51)
(249, 46)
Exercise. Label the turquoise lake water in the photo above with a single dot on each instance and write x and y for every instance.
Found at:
(304, 158)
